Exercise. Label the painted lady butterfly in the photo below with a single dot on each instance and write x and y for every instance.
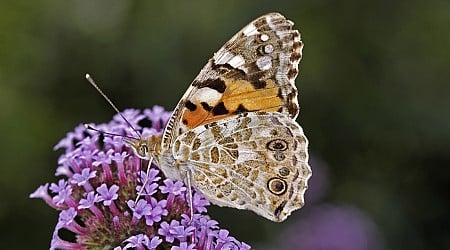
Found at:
(233, 135)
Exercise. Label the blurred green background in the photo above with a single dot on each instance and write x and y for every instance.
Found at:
(374, 92)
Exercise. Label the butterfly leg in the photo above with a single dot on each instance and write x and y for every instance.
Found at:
(191, 202)
(145, 181)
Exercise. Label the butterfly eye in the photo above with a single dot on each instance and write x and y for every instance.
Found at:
(143, 149)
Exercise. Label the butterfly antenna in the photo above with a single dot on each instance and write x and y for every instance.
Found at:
(87, 126)
(92, 82)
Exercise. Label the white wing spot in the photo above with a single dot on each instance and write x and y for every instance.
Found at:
(208, 95)
(223, 56)
(264, 63)
(264, 37)
(268, 48)
(250, 30)
(236, 61)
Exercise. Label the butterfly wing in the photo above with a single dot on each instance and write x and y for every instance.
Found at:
(256, 161)
(254, 71)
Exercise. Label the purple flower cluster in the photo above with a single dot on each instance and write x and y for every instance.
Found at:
(101, 179)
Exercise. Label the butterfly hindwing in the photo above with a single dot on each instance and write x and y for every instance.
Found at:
(256, 161)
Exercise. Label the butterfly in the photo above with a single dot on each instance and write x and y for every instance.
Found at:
(233, 135)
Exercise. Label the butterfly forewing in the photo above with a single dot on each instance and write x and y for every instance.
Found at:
(254, 71)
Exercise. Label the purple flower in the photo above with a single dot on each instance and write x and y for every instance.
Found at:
(83, 178)
(169, 230)
(133, 116)
(184, 246)
(119, 158)
(89, 142)
(158, 210)
(104, 159)
(67, 220)
(141, 208)
(158, 116)
(42, 192)
(199, 202)
(137, 241)
(172, 187)
(63, 196)
(56, 188)
(152, 175)
(58, 243)
(225, 241)
(98, 185)
(108, 195)
(63, 170)
(154, 242)
(90, 200)
(151, 186)
(116, 142)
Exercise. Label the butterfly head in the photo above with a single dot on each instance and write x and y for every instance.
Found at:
(144, 148)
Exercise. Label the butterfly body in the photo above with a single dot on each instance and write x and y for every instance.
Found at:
(233, 134)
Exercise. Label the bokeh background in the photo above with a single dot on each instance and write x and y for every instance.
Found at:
(374, 91)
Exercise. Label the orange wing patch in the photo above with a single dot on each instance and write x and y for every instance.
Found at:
(243, 96)
(237, 96)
